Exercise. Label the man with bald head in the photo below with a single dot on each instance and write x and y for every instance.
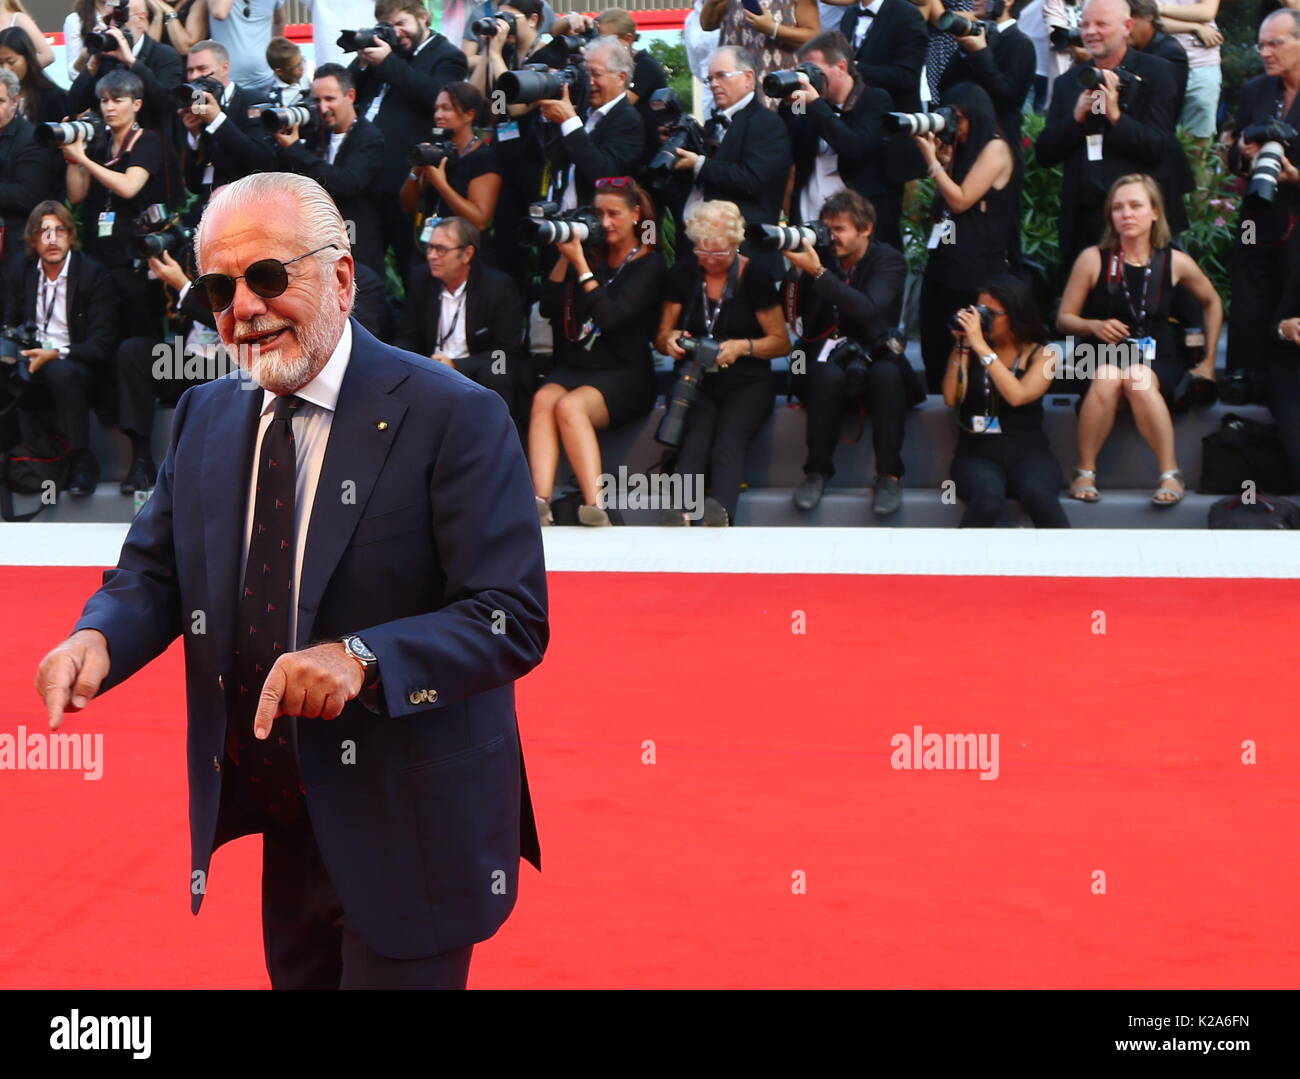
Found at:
(1125, 125)
(346, 539)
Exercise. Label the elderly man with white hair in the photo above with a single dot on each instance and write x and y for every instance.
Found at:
(609, 140)
(348, 545)
(1102, 130)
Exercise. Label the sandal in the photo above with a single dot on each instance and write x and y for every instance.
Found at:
(544, 515)
(1170, 474)
(1088, 492)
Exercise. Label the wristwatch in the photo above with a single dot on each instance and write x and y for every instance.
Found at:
(588, 276)
(63, 352)
(987, 358)
(358, 650)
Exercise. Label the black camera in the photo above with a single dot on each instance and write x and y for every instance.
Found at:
(157, 232)
(1090, 78)
(66, 132)
(487, 26)
(438, 149)
(789, 237)
(537, 82)
(98, 41)
(684, 133)
(785, 83)
(278, 118)
(191, 93)
(986, 319)
(23, 336)
(353, 40)
(1238, 388)
(1273, 137)
(701, 354)
(547, 224)
(958, 26)
(854, 360)
(941, 122)
(1065, 37)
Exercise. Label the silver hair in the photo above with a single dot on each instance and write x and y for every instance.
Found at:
(215, 47)
(10, 82)
(1288, 13)
(319, 221)
(617, 58)
(742, 58)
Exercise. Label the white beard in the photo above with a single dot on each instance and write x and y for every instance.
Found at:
(316, 340)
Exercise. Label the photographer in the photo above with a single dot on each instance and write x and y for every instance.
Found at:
(836, 138)
(344, 157)
(1123, 126)
(1001, 62)
(609, 141)
(475, 45)
(467, 183)
(468, 316)
(603, 313)
(1281, 378)
(222, 142)
(1266, 239)
(889, 39)
(974, 218)
(1119, 296)
(855, 299)
(997, 375)
(28, 173)
(722, 296)
(648, 74)
(397, 89)
(113, 181)
(69, 303)
(157, 66)
(43, 101)
(1148, 36)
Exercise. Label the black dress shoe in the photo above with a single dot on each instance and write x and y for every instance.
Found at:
(715, 514)
(139, 477)
(83, 474)
(809, 493)
(888, 496)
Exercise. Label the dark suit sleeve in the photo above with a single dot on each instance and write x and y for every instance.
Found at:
(251, 148)
(1146, 138)
(348, 179)
(409, 332)
(1061, 134)
(489, 545)
(14, 281)
(883, 289)
(505, 322)
(31, 174)
(81, 94)
(854, 136)
(164, 72)
(1006, 72)
(407, 77)
(901, 77)
(765, 162)
(619, 151)
(100, 299)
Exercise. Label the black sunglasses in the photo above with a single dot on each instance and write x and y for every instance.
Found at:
(267, 278)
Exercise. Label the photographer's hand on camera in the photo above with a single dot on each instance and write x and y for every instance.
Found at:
(169, 271)
(733, 349)
(670, 346)
(686, 159)
(75, 152)
(121, 52)
(558, 109)
(572, 254)
(39, 357)
(971, 332)
(805, 259)
(206, 109)
(1289, 330)
(288, 137)
(375, 54)
(973, 42)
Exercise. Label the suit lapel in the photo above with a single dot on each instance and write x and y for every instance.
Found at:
(474, 302)
(74, 288)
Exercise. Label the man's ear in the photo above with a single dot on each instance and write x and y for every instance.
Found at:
(344, 272)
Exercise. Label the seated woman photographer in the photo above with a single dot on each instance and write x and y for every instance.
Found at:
(1117, 304)
(603, 313)
(467, 185)
(43, 100)
(997, 374)
(975, 212)
(114, 180)
(722, 296)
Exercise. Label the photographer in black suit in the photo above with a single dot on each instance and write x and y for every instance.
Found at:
(222, 141)
(848, 308)
(836, 137)
(397, 89)
(889, 40)
(609, 141)
(468, 316)
(344, 156)
(1002, 62)
(28, 173)
(1125, 125)
(71, 301)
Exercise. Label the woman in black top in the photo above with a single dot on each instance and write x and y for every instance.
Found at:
(603, 313)
(995, 383)
(42, 100)
(1117, 304)
(722, 295)
(181, 25)
(974, 215)
(470, 185)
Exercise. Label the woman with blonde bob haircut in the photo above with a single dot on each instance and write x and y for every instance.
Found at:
(1117, 305)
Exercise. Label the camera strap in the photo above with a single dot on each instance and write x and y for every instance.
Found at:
(587, 334)
(710, 312)
(792, 289)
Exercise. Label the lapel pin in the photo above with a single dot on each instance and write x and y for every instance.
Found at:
(382, 425)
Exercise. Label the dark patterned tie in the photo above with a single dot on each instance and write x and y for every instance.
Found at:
(262, 629)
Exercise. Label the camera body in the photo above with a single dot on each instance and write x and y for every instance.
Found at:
(941, 122)
(438, 149)
(546, 223)
(277, 118)
(853, 360)
(960, 26)
(790, 237)
(65, 132)
(156, 232)
(487, 26)
(1090, 78)
(701, 354)
(782, 84)
(684, 133)
(355, 40)
(1064, 38)
(1273, 137)
(99, 41)
(538, 82)
(985, 315)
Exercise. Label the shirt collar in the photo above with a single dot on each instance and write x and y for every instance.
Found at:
(1006, 24)
(604, 109)
(228, 93)
(730, 113)
(323, 390)
(456, 294)
(874, 7)
(139, 44)
(63, 272)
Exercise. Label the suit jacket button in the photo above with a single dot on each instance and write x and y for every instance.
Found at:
(431, 695)
(221, 681)
(216, 764)
(416, 697)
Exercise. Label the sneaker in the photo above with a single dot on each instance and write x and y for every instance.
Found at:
(809, 493)
(888, 496)
(83, 474)
(593, 517)
(139, 477)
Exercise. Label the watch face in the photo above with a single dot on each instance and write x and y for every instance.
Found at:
(357, 647)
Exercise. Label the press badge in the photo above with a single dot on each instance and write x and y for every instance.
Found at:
(106, 219)
(426, 233)
(985, 425)
(1094, 147)
(941, 230)
(1147, 349)
(209, 175)
(590, 332)
(506, 132)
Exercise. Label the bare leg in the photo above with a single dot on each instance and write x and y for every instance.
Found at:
(544, 439)
(1097, 418)
(1151, 414)
(579, 415)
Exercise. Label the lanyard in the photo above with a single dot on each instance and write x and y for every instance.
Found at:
(710, 320)
(48, 307)
(1117, 270)
(442, 337)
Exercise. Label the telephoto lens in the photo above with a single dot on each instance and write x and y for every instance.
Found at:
(277, 118)
(950, 23)
(1064, 37)
(527, 85)
(65, 133)
(701, 354)
(788, 237)
(941, 121)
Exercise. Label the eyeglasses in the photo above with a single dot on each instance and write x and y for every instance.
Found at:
(442, 249)
(720, 76)
(267, 278)
(726, 252)
(1274, 43)
(613, 181)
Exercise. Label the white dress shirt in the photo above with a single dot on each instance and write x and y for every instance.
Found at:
(569, 201)
(864, 25)
(452, 340)
(52, 306)
(311, 431)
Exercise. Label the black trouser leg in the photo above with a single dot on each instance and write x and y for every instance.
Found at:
(398, 229)
(982, 486)
(889, 212)
(887, 401)
(938, 302)
(823, 397)
(697, 435)
(1258, 277)
(1283, 400)
(68, 383)
(741, 413)
(1034, 480)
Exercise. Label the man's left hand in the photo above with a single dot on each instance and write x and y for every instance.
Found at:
(686, 159)
(973, 42)
(289, 137)
(40, 357)
(805, 259)
(121, 52)
(376, 54)
(315, 683)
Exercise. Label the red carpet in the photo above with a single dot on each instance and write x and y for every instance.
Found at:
(1118, 752)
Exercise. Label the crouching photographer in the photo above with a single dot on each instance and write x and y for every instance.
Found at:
(997, 373)
(847, 306)
(722, 321)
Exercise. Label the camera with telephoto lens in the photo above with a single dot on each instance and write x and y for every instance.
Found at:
(66, 132)
(1064, 38)
(438, 149)
(941, 122)
(683, 130)
(354, 40)
(789, 237)
(1090, 78)
(157, 232)
(958, 26)
(986, 319)
(1273, 137)
(191, 93)
(547, 224)
(537, 82)
(784, 83)
(98, 41)
(487, 26)
(278, 118)
(701, 354)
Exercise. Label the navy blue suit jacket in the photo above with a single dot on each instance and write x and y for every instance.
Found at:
(424, 540)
